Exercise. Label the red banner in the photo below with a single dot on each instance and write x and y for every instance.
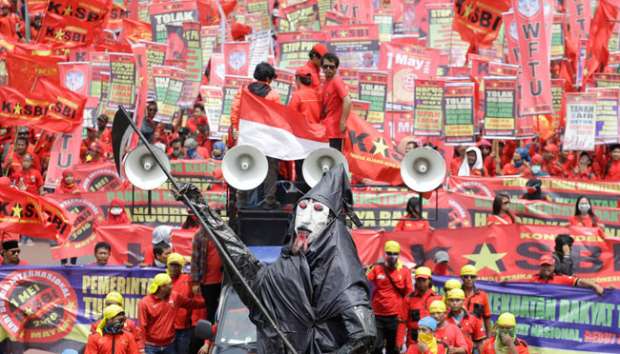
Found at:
(67, 32)
(24, 70)
(499, 253)
(535, 76)
(133, 248)
(479, 21)
(64, 153)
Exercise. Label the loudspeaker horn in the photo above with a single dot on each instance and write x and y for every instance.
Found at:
(423, 170)
(244, 167)
(143, 171)
(319, 162)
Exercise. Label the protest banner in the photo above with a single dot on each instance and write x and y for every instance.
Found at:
(164, 13)
(302, 16)
(511, 38)
(217, 72)
(231, 87)
(604, 80)
(606, 112)
(122, 90)
(360, 108)
(580, 122)
(373, 88)
(428, 103)
(499, 107)
(559, 102)
(194, 68)
(161, 76)
(359, 11)
(209, 37)
(75, 76)
(441, 35)
(23, 70)
(169, 103)
(294, 47)
(459, 113)
(478, 21)
(64, 153)
(385, 20)
(333, 18)
(176, 46)
(67, 32)
(284, 84)
(357, 46)
(260, 49)
(237, 58)
(535, 76)
(351, 79)
(579, 15)
(212, 99)
(397, 126)
(95, 177)
(558, 37)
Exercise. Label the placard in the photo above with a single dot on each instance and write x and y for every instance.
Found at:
(499, 108)
(373, 88)
(459, 113)
(428, 107)
(580, 122)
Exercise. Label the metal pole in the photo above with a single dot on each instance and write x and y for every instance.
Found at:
(26, 21)
(217, 242)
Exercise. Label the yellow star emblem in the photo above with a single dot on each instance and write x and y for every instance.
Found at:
(379, 147)
(59, 34)
(67, 11)
(17, 109)
(343, 33)
(485, 258)
(17, 210)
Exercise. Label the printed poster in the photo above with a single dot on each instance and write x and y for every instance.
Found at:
(580, 122)
(459, 113)
(499, 107)
(428, 107)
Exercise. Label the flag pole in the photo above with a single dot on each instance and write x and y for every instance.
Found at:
(26, 21)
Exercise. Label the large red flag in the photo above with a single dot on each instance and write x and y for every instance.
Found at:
(134, 247)
(68, 32)
(33, 215)
(369, 155)
(52, 108)
(478, 21)
(24, 70)
(601, 28)
(135, 31)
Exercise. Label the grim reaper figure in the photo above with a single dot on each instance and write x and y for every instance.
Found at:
(316, 290)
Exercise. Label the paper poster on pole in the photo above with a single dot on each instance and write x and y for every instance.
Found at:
(500, 94)
(303, 16)
(164, 13)
(122, 87)
(373, 88)
(232, 86)
(212, 99)
(459, 113)
(294, 48)
(260, 48)
(580, 122)
(194, 68)
(357, 46)
(606, 115)
(428, 107)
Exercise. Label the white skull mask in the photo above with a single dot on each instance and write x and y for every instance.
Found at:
(311, 218)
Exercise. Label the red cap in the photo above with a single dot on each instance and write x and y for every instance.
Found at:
(552, 148)
(303, 71)
(320, 48)
(547, 260)
(484, 142)
(238, 31)
(537, 159)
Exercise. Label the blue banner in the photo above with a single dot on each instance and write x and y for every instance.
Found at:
(558, 318)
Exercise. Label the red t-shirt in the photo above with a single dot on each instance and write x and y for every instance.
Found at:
(182, 285)
(472, 328)
(31, 178)
(316, 76)
(503, 219)
(307, 101)
(489, 347)
(583, 221)
(418, 305)
(412, 225)
(334, 91)
(614, 171)
(557, 279)
(386, 299)
(480, 298)
(451, 335)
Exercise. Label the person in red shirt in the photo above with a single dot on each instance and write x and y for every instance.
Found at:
(501, 212)
(471, 326)
(110, 336)
(473, 164)
(313, 66)
(584, 215)
(392, 283)
(584, 169)
(181, 284)
(476, 300)
(21, 148)
(116, 298)
(441, 259)
(28, 178)
(413, 220)
(551, 163)
(613, 168)
(446, 332)
(516, 167)
(157, 313)
(547, 275)
(506, 341)
(490, 165)
(418, 302)
(10, 253)
(68, 184)
(457, 160)
(336, 102)
(94, 153)
(206, 271)
(117, 214)
(102, 254)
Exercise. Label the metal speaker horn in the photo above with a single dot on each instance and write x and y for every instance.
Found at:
(423, 170)
(244, 167)
(319, 162)
(142, 169)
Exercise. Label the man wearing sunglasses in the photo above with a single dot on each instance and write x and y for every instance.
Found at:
(10, 253)
(336, 102)
(476, 300)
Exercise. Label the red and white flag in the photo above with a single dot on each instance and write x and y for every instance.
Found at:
(277, 130)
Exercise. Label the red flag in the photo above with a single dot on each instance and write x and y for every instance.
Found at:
(135, 31)
(68, 32)
(134, 247)
(478, 21)
(208, 13)
(30, 214)
(369, 155)
(52, 108)
(535, 75)
(601, 28)
(24, 70)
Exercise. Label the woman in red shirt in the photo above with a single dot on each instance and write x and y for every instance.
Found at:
(501, 214)
(583, 170)
(584, 216)
(613, 168)
(413, 221)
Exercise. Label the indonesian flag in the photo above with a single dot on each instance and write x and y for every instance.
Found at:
(277, 130)
(33, 215)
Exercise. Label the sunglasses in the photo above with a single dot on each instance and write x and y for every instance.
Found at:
(14, 252)
(391, 253)
(328, 66)
(468, 277)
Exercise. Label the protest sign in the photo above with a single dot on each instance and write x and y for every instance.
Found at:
(260, 49)
(194, 68)
(164, 13)
(604, 80)
(302, 16)
(385, 21)
(373, 88)
(557, 94)
(398, 125)
(357, 46)
(428, 103)
(209, 37)
(499, 107)
(64, 153)
(232, 85)
(351, 79)
(295, 46)
(284, 84)
(606, 112)
(441, 35)
(459, 113)
(122, 91)
(212, 99)
(168, 97)
(580, 122)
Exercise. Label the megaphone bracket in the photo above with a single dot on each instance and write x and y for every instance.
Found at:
(225, 257)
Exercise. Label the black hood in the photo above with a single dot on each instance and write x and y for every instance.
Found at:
(259, 88)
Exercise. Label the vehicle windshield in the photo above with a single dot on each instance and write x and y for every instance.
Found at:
(234, 328)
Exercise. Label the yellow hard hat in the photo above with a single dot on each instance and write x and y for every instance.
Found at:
(437, 306)
(456, 294)
(159, 280)
(506, 319)
(176, 258)
(469, 269)
(452, 284)
(392, 247)
(114, 297)
(423, 272)
(109, 312)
